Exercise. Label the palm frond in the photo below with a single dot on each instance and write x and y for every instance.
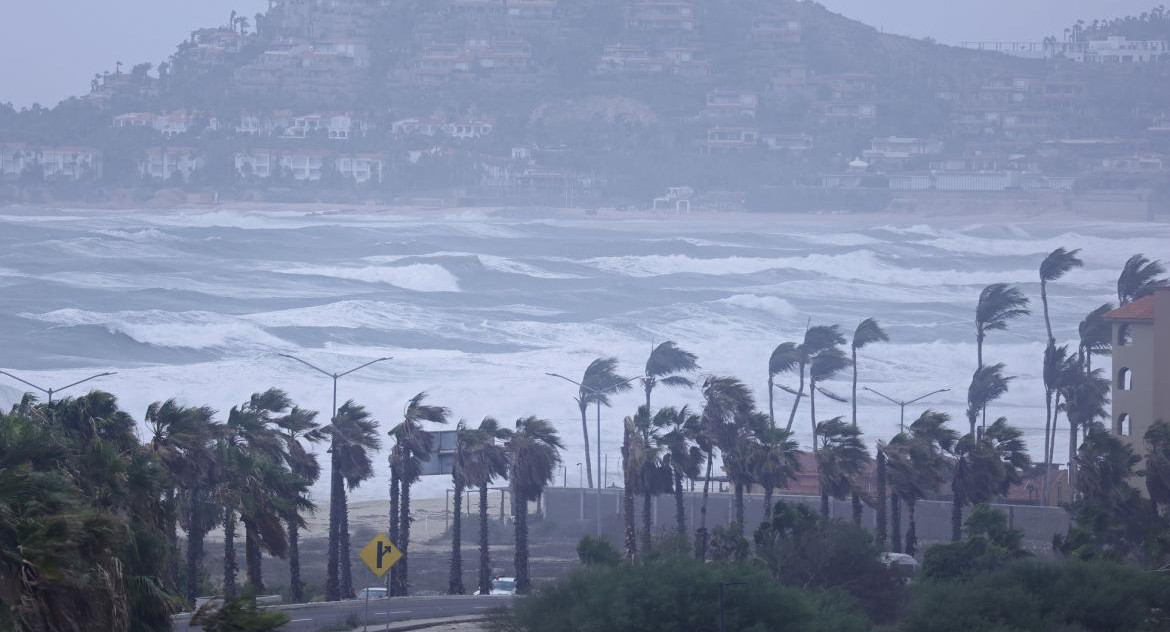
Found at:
(998, 304)
(1058, 263)
(867, 333)
(668, 359)
(1138, 278)
(785, 358)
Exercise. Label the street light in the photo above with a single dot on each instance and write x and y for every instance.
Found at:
(904, 404)
(597, 437)
(333, 376)
(722, 586)
(50, 391)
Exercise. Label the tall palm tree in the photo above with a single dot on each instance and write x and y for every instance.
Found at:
(724, 400)
(817, 340)
(600, 380)
(353, 437)
(395, 463)
(882, 501)
(1086, 397)
(841, 459)
(415, 446)
(824, 366)
(899, 476)
(535, 450)
(183, 440)
(299, 428)
(985, 467)
(784, 359)
(868, 332)
(1058, 263)
(1096, 335)
(1138, 278)
(485, 459)
(682, 456)
(928, 449)
(647, 469)
(999, 303)
(465, 439)
(775, 462)
(667, 365)
(739, 446)
(987, 385)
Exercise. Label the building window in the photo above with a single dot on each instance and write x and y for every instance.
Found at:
(1123, 425)
(1124, 336)
(1125, 380)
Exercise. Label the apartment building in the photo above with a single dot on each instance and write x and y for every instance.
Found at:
(1141, 366)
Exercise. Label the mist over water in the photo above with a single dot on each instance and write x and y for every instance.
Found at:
(475, 306)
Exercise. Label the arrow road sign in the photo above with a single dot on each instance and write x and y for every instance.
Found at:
(380, 555)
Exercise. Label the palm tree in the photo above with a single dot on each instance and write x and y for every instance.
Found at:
(183, 440)
(535, 450)
(899, 476)
(928, 450)
(784, 359)
(484, 459)
(775, 462)
(824, 366)
(985, 467)
(647, 470)
(1138, 278)
(739, 445)
(414, 447)
(666, 364)
(1086, 397)
(881, 502)
(724, 399)
(353, 436)
(299, 428)
(1058, 263)
(682, 456)
(999, 303)
(841, 459)
(817, 340)
(868, 332)
(1096, 335)
(601, 378)
(987, 385)
(464, 440)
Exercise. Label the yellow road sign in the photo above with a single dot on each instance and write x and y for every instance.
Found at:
(380, 555)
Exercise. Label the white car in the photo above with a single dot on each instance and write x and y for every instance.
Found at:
(372, 593)
(504, 586)
(905, 566)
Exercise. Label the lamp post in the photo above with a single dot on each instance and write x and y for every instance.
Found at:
(597, 435)
(333, 376)
(903, 404)
(50, 391)
(722, 586)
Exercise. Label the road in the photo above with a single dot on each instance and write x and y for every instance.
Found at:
(331, 615)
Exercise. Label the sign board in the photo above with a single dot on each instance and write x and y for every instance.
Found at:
(380, 555)
(442, 460)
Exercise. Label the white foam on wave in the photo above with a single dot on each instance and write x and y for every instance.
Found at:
(489, 262)
(421, 277)
(1096, 250)
(859, 265)
(178, 330)
(838, 239)
(771, 304)
(145, 235)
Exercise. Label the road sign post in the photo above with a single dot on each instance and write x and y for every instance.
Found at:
(379, 555)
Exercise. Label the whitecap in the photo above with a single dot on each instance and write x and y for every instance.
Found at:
(181, 330)
(421, 277)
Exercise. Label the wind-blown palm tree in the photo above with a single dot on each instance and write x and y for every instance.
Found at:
(682, 456)
(784, 359)
(817, 340)
(1138, 278)
(724, 399)
(739, 446)
(353, 436)
(899, 477)
(414, 445)
(666, 365)
(868, 332)
(648, 473)
(999, 303)
(1058, 263)
(299, 427)
(1096, 335)
(775, 462)
(929, 446)
(535, 451)
(464, 438)
(824, 366)
(987, 385)
(1059, 367)
(841, 459)
(985, 467)
(1086, 397)
(601, 379)
(183, 440)
(485, 459)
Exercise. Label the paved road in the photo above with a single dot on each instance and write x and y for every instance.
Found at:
(313, 617)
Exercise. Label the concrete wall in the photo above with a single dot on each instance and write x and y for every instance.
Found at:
(566, 506)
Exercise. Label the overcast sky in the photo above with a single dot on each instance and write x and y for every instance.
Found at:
(54, 47)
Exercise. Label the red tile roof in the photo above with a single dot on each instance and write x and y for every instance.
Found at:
(1141, 309)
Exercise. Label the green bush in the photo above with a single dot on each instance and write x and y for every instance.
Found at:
(597, 552)
(679, 593)
(238, 615)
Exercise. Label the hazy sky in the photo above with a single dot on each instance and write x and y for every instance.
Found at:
(54, 47)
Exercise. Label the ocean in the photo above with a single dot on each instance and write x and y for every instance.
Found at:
(476, 306)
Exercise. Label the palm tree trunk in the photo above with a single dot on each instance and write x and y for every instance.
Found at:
(772, 399)
(881, 505)
(796, 402)
(585, 434)
(858, 509)
(485, 556)
(979, 348)
(404, 539)
(252, 558)
(1044, 302)
(824, 504)
(680, 510)
(229, 554)
(912, 530)
(343, 548)
(812, 411)
(768, 504)
(853, 400)
(973, 419)
(455, 582)
(739, 505)
(628, 517)
(520, 507)
(1072, 459)
(956, 514)
(295, 584)
(194, 544)
(336, 493)
(647, 521)
(701, 536)
(172, 538)
(394, 496)
(1047, 435)
(896, 523)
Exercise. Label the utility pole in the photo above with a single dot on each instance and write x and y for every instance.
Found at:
(50, 391)
(903, 404)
